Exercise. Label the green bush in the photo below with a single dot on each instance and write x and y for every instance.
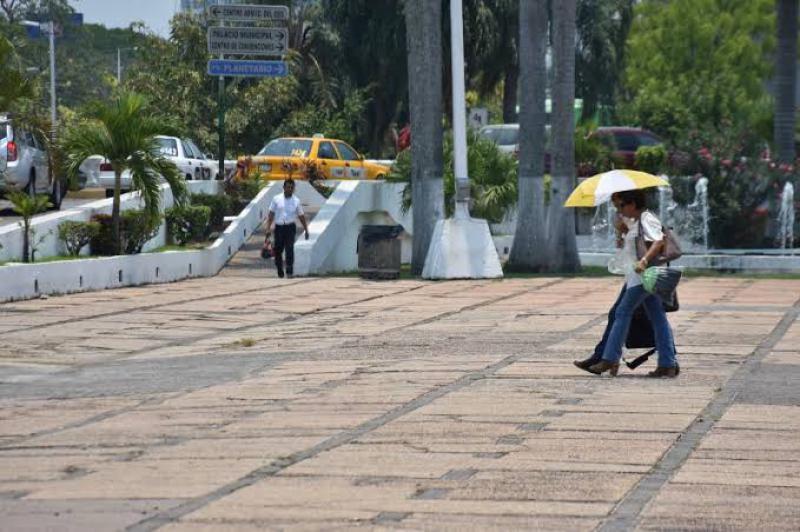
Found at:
(651, 159)
(136, 228)
(592, 155)
(220, 206)
(75, 235)
(188, 223)
(493, 178)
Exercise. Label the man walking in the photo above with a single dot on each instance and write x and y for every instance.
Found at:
(284, 211)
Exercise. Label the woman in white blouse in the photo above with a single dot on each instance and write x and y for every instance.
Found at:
(632, 205)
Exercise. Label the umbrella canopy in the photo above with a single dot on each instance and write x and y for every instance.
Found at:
(597, 189)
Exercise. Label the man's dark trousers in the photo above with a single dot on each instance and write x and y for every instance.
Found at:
(284, 239)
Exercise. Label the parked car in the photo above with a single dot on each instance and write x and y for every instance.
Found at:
(189, 159)
(24, 163)
(335, 159)
(624, 141)
(506, 136)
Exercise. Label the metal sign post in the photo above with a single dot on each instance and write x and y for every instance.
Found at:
(244, 41)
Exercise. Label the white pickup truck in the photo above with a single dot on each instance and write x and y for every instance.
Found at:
(190, 160)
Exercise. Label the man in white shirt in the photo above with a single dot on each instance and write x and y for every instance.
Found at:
(284, 211)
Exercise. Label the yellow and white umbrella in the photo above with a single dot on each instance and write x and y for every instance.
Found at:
(598, 189)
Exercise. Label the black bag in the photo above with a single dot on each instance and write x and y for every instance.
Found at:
(640, 332)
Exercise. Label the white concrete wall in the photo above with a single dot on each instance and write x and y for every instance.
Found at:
(47, 225)
(334, 231)
(718, 262)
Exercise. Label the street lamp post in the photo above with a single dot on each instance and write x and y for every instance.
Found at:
(50, 28)
(461, 247)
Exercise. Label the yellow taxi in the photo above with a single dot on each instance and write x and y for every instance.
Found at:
(288, 157)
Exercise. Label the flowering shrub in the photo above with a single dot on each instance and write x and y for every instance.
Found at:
(743, 182)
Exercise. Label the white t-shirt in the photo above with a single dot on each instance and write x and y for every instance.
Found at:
(286, 210)
(651, 229)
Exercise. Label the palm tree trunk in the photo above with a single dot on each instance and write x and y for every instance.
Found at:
(115, 221)
(528, 252)
(26, 240)
(561, 221)
(424, 39)
(785, 79)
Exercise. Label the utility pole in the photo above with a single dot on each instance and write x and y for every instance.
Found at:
(461, 247)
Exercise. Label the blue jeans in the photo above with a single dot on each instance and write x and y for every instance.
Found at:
(614, 337)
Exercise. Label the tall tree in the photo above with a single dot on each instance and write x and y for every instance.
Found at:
(372, 38)
(786, 79)
(603, 27)
(529, 251)
(124, 133)
(561, 221)
(491, 33)
(13, 85)
(424, 49)
(698, 64)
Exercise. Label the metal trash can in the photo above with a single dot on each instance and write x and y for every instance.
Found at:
(379, 251)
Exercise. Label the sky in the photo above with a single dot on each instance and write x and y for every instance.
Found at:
(120, 13)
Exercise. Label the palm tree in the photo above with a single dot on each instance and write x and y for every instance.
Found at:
(424, 43)
(785, 79)
(528, 252)
(123, 133)
(562, 246)
(13, 85)
(28, 206)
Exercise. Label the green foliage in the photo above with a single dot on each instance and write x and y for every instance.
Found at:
(28, 206)
(741, 183)
(13, 85)
(219, 207)
(189, 223)
(123, 131)
(592, 155)
(370, 53)
(243, 189)
(602, 27)
(651, 159)
(75, 235)
(493, 178)
(698, 63)
(136, 228)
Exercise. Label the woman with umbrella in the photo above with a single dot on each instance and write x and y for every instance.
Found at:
(631, 204)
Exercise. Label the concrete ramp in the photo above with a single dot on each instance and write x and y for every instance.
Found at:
(332, 245)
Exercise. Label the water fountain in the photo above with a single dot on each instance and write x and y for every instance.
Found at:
(786, 218)
(603, 232)
(689, 222)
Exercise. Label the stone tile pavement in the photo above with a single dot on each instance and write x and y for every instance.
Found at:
(245, 402)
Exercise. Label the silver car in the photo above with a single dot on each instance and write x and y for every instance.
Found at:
(24, 163)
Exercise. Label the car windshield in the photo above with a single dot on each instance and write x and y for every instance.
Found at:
(168, 147)
(198, 153)
(626, 141)
(4, 130)
(287, 148)
(503, 136)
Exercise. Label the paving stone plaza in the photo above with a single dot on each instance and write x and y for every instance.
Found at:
(245, 402)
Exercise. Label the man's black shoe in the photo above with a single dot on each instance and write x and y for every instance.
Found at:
(280, 274)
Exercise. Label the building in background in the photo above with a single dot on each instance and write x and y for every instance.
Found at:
(198, 6)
